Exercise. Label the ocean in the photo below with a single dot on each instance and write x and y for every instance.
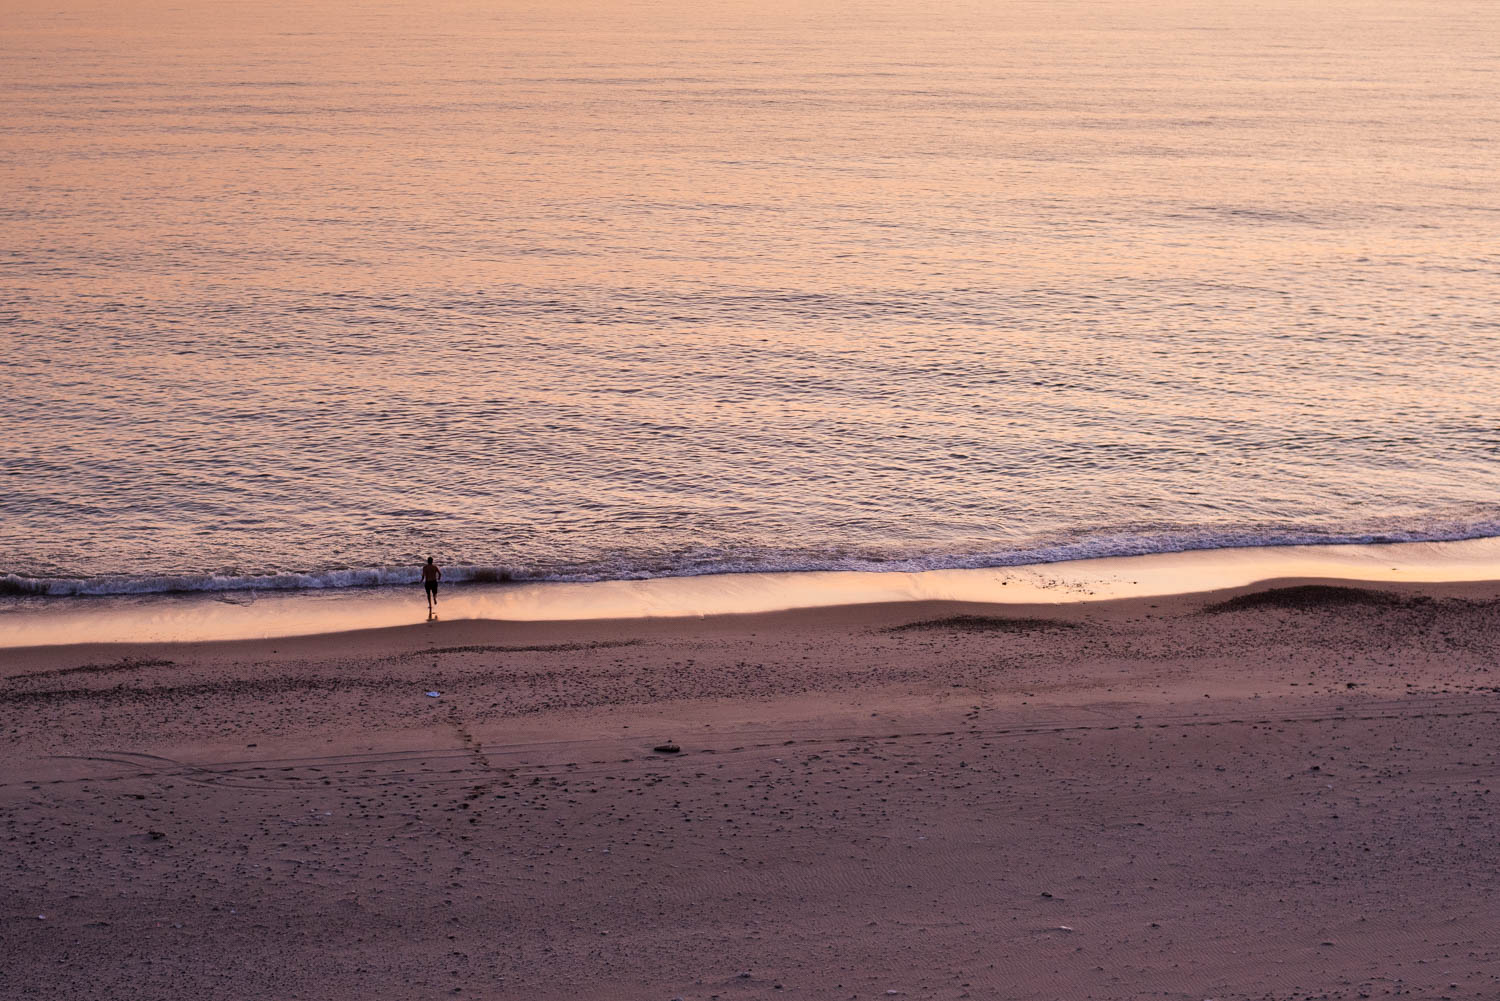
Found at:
(295, 295)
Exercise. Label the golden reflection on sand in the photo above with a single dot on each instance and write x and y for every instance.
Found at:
(251, 615)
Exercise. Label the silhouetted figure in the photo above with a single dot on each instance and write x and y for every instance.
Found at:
(431, 574)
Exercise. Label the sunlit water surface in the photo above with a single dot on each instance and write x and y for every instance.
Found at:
(631, 289)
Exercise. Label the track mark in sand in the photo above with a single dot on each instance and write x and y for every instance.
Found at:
(981, 624)
(500, 648)
(127, 664)
(475, 764)
(476, 753)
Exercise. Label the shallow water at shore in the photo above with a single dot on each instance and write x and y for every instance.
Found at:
(248, 615)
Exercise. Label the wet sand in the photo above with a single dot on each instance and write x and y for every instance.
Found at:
(259, 614)
(1288, 796)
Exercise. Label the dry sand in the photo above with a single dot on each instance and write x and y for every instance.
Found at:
(1292, 797)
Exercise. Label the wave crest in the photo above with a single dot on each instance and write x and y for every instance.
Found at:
(702, 562)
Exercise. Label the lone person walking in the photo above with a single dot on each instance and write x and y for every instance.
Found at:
(431, 574)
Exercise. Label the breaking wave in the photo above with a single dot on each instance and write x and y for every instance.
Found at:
(709, 561)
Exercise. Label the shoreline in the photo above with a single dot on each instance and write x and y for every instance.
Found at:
(566, 634)
(205, 616)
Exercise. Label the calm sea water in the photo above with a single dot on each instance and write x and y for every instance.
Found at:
(620, 289)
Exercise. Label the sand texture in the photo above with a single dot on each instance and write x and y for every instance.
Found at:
(1267, 794)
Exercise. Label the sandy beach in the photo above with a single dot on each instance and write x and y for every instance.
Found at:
(1281, 792)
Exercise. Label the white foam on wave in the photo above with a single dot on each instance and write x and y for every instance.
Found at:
(702, 563)
(172, 583)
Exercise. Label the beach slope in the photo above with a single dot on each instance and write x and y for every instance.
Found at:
(1276, 792)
